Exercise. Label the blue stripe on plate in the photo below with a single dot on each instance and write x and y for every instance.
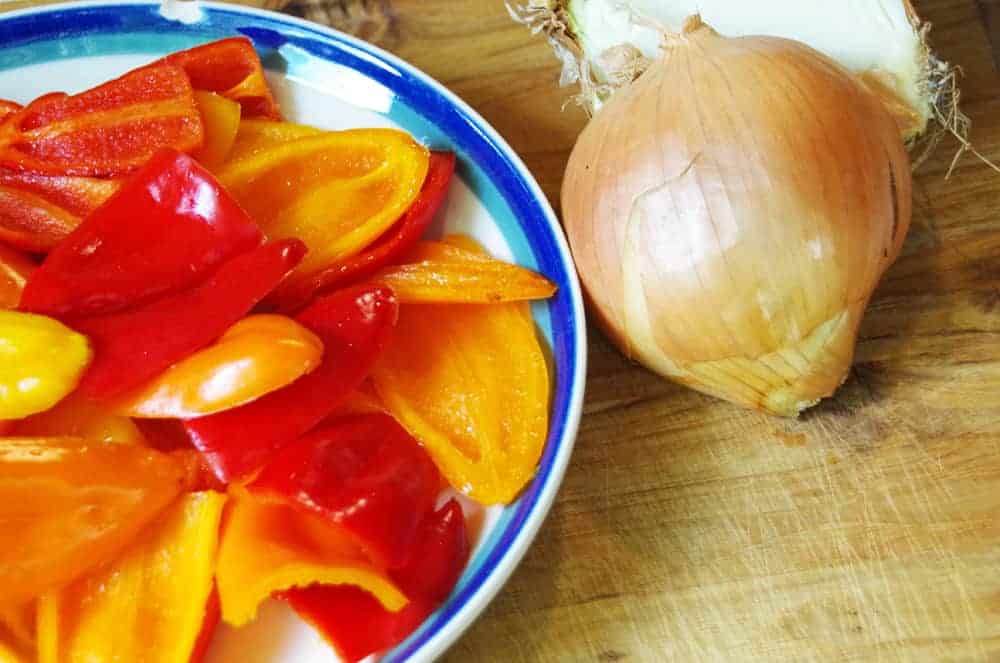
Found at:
(422, 108)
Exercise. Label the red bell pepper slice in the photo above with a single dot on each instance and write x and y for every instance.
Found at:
(230, 67)
(391, 246)
(354, 325)
(108, 130)
(135, 345)
(357, 625)
(39, 211)
(208, 626)
(364, 473)
(162, 232)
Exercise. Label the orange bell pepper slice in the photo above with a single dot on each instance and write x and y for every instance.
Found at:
(258, 355)
(39, 211)
(269, 547)
(8, 107)
(108, 130)
(336, 191)
(67, 504)
(471, 383)
(229, 67)
(440, 272)
(17, 631)
(256, 136)
(150, 603)
(15, 269)
(221, 118)
(75, 416)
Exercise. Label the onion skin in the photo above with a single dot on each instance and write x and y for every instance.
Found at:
(731, 212)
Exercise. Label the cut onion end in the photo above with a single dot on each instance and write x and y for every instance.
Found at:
(605, 44)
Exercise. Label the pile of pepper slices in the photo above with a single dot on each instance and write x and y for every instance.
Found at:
(231, 369)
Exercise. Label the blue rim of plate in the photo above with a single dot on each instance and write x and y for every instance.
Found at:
(427, 109)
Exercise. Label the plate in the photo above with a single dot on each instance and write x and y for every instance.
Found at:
(328, 79)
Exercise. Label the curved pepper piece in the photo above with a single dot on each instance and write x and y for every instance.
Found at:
(256, 136)
(440, 272)
(108, 130)
(8, 107)
(160, 233)
(15, 269)
(354, 325)
(39, 211)
(357, 625)
(41, 361)
(221, 118)
(258, 355)
(75, 416)
(387, 249)
(337, 191)
(364, 473)
(471, 383)
(149, 604)
(17, 631)
(133, 346)
(268, 548)
(231, 68)
(67, 504)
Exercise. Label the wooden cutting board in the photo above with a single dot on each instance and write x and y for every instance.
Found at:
(690, 530)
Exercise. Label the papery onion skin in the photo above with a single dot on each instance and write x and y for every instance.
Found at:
(731, 212)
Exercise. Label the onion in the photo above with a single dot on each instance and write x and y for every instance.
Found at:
(731, 212)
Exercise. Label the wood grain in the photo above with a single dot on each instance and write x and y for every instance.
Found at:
(689, 530)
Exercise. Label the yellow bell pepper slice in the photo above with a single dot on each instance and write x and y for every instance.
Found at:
(257, 355)
(442, 272)
(67, 505)
(336, 191)
(221, 118)
(149, 605)
(76, 416)
(269, 547)
(471, 383)
(41, 360)
(255, 136)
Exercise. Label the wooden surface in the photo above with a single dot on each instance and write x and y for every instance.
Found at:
(689, 530)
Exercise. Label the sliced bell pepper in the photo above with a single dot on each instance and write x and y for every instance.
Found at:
(17, 630)
(258, 355)
(209, 624)
(439, 272)
(471, 383)
(355, 325)
(271, 547)
(133, 346)
(15, 269)
(387, 249)
(221, 118)
(39, 211)
(362, 400)
(8, 107)
(357, 625)
(8, 654)
(256, 136)
(41, 361)
(364, 473)
(67, 504)
(108, 130)
(229, 67)
(149, 604)
(337, 191)
(160, 233)
(76, 416)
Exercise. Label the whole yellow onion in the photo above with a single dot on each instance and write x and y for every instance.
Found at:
(732, 210)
